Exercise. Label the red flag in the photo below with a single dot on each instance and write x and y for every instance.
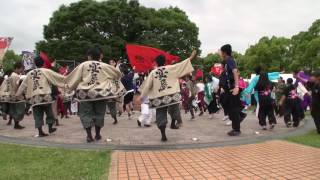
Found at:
(142, 57)
(47, 62)
(217, 69)
(199, 74)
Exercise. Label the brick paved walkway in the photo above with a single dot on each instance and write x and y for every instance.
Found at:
(268, 160)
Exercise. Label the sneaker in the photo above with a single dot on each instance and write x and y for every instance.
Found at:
(229, 123)
(264, 128)
(243, 116)
(139, 123)
(89, 139)
(225, 118)
(179, 125)
(147, 125)
(234, 133)
(17, 126)
(272, 126)
(289, 124)
(97, 137)
(42, 135)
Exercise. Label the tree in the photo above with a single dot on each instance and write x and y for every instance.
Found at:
(111, 24)
(305, 49)
(209, 61)
(9, 59)
(270, 53)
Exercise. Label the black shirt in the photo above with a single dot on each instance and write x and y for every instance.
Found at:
(290, 92)
(315, 88)
(227, 78)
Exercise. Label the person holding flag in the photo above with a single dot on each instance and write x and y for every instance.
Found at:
(163, 90)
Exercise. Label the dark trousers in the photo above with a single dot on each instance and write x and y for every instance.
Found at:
(190, 106)
(292, 108)
(17, 111)
(213, 107)
(162, 118)
(264, 112)
(316, 118)
(38, 114)
(113, 109)
(92, 113)
(233, 107)
(67, 107)
(223, 103)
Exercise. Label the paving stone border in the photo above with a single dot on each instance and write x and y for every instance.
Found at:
(306, 127)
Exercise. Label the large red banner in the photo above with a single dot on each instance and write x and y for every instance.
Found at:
(143, 57)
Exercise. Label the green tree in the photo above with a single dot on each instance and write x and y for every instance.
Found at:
(305, 49)
(9, 59)
(209, 61)
(111, 24)
(270, 53)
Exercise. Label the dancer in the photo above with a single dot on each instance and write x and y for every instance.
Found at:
(5, 99)
(146, 116)
(37, 86)
(192, 89)
(17, 104)
(162, 88)
(200, 96)
(95, 83)
(211, 88)
(127, 81)
(291, 103)
(266, 109)
(314, 86)
(230, 87)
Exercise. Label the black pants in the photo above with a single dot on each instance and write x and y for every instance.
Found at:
(161, 115)
(292, 108)
(264, 112)
(190, 106)
(316, 118)
(213, 106)
(223, 103)
(233, 107)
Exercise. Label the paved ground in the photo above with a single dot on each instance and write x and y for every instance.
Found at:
(268, 160)
(127, 132)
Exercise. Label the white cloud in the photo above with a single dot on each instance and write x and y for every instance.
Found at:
(240, 23)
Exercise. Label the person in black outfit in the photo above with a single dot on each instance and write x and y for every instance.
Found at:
(291, 103)
(266, 107)
(314, 86)
(230, 87)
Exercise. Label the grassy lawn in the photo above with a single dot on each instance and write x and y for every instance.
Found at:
(309, 139)
(23, 162)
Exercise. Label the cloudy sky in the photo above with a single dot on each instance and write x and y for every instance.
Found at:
(239, 22)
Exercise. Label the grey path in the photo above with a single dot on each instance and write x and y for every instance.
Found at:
(128, 136)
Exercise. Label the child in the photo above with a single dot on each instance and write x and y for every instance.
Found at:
(37, 88)
(291, 103)
(145, 118)
(95, 83)
(314, 85)
(17, 104)
(185, 92)
(210, 95)
(74, 107)
(163, 89)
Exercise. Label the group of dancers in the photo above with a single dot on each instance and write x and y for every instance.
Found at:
(97, 86)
